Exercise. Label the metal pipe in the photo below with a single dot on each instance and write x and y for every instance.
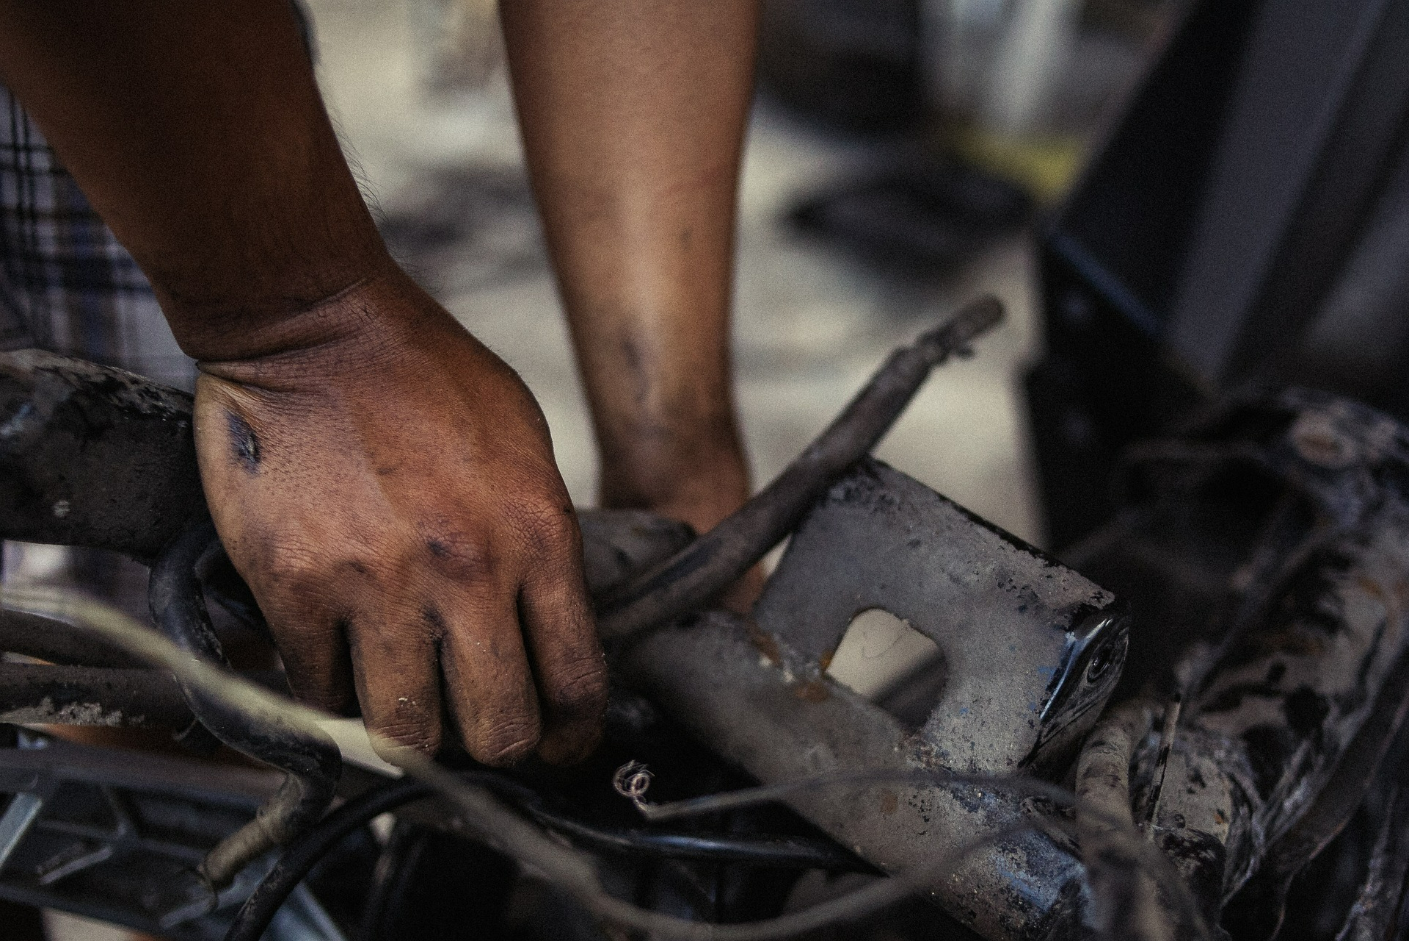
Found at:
(1126, 900)
(67, 695)
(57, 642)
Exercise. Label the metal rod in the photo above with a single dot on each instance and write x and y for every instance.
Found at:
(1168, 729)
(57, 642)
(702, 570)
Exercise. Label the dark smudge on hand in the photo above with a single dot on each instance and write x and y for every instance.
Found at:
(244, 443)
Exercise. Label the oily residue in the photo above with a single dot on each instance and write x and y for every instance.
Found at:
(244, 443)
(764, 642)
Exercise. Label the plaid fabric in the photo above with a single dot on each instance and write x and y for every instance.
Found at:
(66, 285)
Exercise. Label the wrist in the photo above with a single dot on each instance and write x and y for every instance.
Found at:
(336, 305)
(699, 481)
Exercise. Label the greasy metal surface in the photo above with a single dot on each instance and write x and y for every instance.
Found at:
(1021, 633)
(1288, 716)
(90, 696)
(116, 834)
(55, 642)
(1033, 648)
(93, 456)
(713, 677)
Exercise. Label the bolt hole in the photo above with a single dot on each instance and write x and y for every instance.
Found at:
(889, 662)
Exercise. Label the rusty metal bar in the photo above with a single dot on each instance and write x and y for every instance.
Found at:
(699, 573)
(66, 695)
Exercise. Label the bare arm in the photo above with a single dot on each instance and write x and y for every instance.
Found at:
(633, 115)
(383, 481)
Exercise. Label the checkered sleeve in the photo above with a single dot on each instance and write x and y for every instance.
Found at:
(66, 284)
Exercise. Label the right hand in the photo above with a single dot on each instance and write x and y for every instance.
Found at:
(386, 487)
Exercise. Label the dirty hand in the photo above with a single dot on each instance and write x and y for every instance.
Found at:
(386, 486)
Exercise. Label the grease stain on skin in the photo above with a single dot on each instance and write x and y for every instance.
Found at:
(244, 443)
(431, 615)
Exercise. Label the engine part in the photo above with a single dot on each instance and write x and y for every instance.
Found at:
(114, 834)
(757, 689)
(93, 456)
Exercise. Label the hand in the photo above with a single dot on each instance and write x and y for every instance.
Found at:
(386, 486)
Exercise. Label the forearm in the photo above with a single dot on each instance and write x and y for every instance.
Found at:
(633, 116)
(382, 481)
(197, 132)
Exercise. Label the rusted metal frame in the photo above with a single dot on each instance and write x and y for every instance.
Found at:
(712, 677)
(65, 695)
(756, 691)
(1285, 717)
(880, 539)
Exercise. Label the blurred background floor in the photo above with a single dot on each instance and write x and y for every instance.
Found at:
(445, 171)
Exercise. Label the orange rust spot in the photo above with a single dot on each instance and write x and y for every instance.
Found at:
(826, 661)
(1291, 641)
(764, 641)
(889, 802)
(1370, 586)
(1399, 593)
(812, 691)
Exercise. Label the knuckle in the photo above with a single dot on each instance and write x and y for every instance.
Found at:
(580, 691)
(546, 525)
(507, 740)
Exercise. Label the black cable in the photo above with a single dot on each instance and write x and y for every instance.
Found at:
(304, 853)
(310, 759)
(789, 852)
(781, 852)
(391, 880)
